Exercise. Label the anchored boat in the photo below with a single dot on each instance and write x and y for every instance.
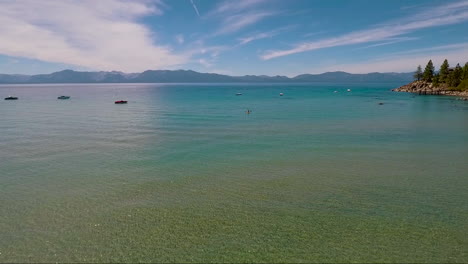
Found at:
(11, 98)
(63, 97)
(120, 102)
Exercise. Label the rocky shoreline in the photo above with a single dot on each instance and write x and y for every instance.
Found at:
(427, 88)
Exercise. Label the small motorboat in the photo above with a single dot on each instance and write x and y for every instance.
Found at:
(11, 98)
(335, 91)
(349, 90)
(63, 97)
(238, 94)
(120, 102)
(281, 94)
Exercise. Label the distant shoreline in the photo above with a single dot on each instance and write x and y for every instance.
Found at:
(188, 76)
(206, 83)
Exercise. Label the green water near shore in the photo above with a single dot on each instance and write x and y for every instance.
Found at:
(182, 174)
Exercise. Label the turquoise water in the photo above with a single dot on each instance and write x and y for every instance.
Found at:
(182, 174)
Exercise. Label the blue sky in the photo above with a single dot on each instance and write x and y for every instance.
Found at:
(236, 37)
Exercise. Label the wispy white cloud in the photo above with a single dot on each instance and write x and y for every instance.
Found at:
(229, 6)
(436, 49)
(205, 63)
(406, 61)
(437, 16)
(263, 35)
(212, 51)
(195, 7)
(102, 34)
(207, 56)
(180, 38)
(236, 22)
(236, 15)
(389, 41)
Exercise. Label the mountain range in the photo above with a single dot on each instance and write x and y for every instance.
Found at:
(188, 76)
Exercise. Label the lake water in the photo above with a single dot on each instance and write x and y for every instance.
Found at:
(182, 174)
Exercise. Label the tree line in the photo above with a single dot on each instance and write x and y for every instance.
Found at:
(446, 76)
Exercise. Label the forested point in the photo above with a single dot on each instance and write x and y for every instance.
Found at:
(455, 79)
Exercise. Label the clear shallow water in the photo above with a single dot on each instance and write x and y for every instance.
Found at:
(181, 173)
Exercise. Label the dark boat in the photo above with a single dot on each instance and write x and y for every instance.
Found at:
(11, 98)
(238, 94)
(120, 102)
(63, 97)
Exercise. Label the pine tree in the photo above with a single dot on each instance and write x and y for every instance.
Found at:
(436, 80)
(456, 76)
(465, 72)
(428, 72)
(418, 73)
(444, 71)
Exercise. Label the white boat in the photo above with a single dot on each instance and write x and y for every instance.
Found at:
(281, 94)
(349, 90)
(238, 94)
